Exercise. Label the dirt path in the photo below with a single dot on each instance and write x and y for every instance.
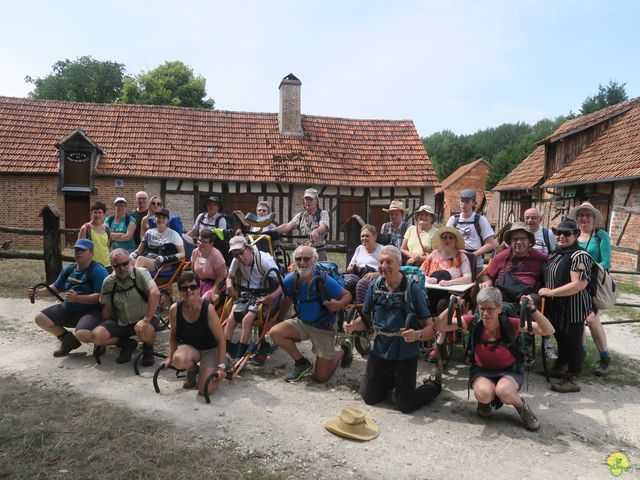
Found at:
(279, 422)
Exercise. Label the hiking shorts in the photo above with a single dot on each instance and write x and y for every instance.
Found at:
(61, 316)
(117, 330)
(322, 341)
(494, 376)
(208, 358)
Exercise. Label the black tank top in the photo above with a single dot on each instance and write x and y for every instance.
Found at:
(197, 334)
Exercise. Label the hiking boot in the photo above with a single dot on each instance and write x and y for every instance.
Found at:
(569, 384)
(484, 409)
(529, 419)
(127, 347)
(550, 353)
(68, 342)
(98, 351)
(558, 371)
(299, 371)
(347, 358)
(148, 358)
(603, 368)
(191, 380)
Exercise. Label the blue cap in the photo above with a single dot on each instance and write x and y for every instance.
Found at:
(83, 244)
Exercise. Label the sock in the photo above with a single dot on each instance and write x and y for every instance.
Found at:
(242, 349)
(302, 361)
(604, 354)
(232, 348)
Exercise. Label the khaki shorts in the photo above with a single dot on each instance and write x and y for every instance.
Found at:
(208, 358)
(322, 341)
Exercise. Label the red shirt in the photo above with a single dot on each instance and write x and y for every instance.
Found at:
(527, 270)
(493, 357)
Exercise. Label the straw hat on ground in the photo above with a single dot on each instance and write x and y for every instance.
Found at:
(436, 241)
(353, 424)
(573, 213)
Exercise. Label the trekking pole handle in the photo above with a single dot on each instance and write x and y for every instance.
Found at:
(49, 289)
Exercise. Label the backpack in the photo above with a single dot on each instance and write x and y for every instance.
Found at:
(87, 232)
(507, 338)
(547, 242)
(414, 273)
(602, 288)
(127, 219)
(221, 243)
(88, 278)
(407, 280)
(142, 293)
(475, 222)
(175, 223)
(323, 270)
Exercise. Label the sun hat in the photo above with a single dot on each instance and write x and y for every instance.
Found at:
(353, 424)
(428, 209)
(237, 243)
(467, 194)
(516, 226)
(119, 199)
(567, 225)
(83, 244)
(395, 205)
(311, 193)
(436, 240)
(573, 213)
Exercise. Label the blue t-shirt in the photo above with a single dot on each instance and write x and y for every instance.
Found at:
(390, 315)
(308, 305)
(121, 227)
(77, 280)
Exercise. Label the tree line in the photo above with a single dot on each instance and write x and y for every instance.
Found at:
(505, 146)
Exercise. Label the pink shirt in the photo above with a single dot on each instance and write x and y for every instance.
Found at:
(204, 268)
(493, 357)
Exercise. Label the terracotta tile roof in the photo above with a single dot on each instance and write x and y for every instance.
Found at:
(614, 156)
(170, 142)
(529, 174)
(460, 172)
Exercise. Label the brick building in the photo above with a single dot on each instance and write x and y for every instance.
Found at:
(72, 154)
(471, 176)
(593, 158)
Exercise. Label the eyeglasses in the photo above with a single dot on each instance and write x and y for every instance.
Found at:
(487, 309)
(448, 238)
(238, 253)
(562, 233)
(193, 287)
(141, 198)
(519, 239)
(120, 265)
(157, 203)
(302, 259)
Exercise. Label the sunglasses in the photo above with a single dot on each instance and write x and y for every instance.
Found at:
(121, 265)
(193, 287)
(302, 259)
(487, 309)
(562, 233)
(156, 203)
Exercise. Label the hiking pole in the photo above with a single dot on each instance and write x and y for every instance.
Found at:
(157, 372)
(210, 378)
(49, 289)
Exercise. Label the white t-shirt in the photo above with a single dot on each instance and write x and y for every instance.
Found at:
(155, 239)
(204, 222)
(253, 275)
(472, 240)
(363, 258)
(540, 245)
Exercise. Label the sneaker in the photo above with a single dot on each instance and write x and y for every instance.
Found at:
(299, 371)
(603, 368)
(347, 358)
(191, 381)
(259, 359)
(484, 409)
(127, 347)
(550, 353)
(529, 419)
(569, 384)
(148, 358)
(433, 356)
(68, 342)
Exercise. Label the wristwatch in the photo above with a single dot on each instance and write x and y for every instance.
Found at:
(222, 366)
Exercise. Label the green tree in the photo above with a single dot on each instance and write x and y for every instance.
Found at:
(608, 95)
(172, 83)
(82, 80)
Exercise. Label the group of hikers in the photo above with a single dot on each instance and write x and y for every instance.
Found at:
(397, 278)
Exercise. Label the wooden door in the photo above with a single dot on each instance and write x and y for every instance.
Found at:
(76, 214)
(350, 206)
(245, 202)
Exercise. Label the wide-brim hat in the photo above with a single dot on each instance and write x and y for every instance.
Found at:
(396, 205)
(353, 424)
(436, 240)
(573, 213)
(517, 226)
(428, 209)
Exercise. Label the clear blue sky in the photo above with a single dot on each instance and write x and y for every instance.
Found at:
(457, 65)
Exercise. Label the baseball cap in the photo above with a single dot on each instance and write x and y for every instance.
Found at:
(120, 199)
(83, 244)
(311, 193)
(237, 243)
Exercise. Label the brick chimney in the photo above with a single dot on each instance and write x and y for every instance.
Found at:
(289, 116)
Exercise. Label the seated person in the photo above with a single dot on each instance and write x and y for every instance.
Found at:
(129, 299)
(517, 270)
(210, 219)
(363, 268)
(316, 306)
(262, 210)
(393, 360)
(149, 220)
(246, 283)
(195, 337)
(495, 374)
(417, 240)
(159, 245)
(208, 264)
(82, 280)
(397, 226)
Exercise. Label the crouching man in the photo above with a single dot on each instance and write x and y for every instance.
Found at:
(129, 298)
(82, 282)
(316, 303)
(393, 360)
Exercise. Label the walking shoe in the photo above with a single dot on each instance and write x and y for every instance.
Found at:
(569, 384)
(603, 368)
(148, 358)
(529, 419)
(299, 371)
(550, 353)
(433, 356)
(484, 409)
(99, 351)
(347, 358)
(259, 359)
(68, 342)
(127, 347)
(191, 381)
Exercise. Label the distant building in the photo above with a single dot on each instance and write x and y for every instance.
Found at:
(472, 176)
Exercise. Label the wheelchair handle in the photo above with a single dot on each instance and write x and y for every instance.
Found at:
(51, 291)
(525, 318)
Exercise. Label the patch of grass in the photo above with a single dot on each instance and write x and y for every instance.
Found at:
(17, 275)
(628, 288)
(51, 434)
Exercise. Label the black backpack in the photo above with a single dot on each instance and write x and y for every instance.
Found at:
(142, 293)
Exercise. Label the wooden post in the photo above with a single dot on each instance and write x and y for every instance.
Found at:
(352, 229)
(51, 241)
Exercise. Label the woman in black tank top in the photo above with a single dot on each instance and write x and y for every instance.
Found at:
(195, 332)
